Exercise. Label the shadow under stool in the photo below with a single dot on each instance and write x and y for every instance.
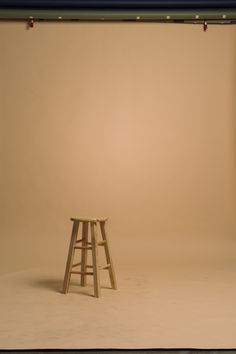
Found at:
(84, 245)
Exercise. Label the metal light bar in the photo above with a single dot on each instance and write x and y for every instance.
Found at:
(118, 15)
(218, 11)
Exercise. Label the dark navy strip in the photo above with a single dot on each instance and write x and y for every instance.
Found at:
(118, 4)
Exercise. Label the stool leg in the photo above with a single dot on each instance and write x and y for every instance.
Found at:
(70, 257)
(96, 275)
(84, 253)
(108, 256)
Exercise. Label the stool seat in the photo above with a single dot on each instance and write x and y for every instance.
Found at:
(84, 245)
(89, 219)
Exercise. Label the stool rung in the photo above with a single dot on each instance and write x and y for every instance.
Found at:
(88, 243)
(76, 264)
(102, 243)
(83, 248)
(105, 267)
(87, 273)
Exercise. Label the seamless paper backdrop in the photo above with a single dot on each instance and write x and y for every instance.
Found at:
(131, 121)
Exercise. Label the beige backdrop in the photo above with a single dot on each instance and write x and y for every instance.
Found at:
(132, 121)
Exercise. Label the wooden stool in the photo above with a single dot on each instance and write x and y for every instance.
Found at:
(85, 246)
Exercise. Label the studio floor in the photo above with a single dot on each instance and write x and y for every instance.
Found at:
(191, 306)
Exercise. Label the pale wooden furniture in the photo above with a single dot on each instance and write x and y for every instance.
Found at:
(84, 245)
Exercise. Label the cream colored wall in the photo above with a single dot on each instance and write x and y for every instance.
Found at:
(132, 121)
